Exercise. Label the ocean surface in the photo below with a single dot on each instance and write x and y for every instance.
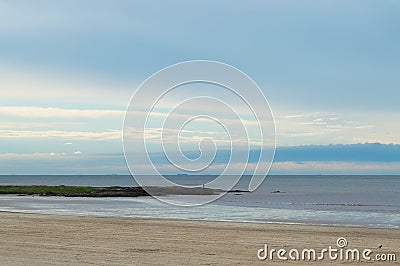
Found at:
(369, 201)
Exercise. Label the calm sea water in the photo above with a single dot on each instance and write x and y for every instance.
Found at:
(372, 201)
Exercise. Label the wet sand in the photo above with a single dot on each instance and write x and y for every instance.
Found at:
(32, 239)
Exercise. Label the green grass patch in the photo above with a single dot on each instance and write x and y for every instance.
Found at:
(46, 190)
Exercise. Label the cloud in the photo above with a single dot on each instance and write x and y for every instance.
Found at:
(62, 163)
(357, 154)
(294, 116)
(33, 156)
(317, 115)
(371, 158)
(83, 135)
(367, 152)
(185, 136)
(334, 128)
(336, 168)
(55, 88)
(30, 125)
(340, 127)
(51, 112)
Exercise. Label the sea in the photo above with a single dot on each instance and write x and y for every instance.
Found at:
(338, 200)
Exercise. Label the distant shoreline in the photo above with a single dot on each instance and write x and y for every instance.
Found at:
(115, 191)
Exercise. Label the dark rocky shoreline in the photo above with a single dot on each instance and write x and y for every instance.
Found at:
(81, 191)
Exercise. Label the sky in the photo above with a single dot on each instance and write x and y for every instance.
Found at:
(329, 70)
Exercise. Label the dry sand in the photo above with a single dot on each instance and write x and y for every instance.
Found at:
(31, 239)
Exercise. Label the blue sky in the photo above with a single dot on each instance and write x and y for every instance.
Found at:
(68, 68)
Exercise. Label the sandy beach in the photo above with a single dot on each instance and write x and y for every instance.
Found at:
(32, 239)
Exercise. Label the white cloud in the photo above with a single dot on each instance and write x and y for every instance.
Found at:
(30, 125)
(31, 156)
(18, 84)
(334, 128)
(335, 168)
(85, 135)
(50, 112)
(294, 116)
(317, 115)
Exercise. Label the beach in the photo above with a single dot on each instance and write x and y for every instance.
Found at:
(36, 239)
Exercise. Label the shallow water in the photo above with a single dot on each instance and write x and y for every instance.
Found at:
(338, 200)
